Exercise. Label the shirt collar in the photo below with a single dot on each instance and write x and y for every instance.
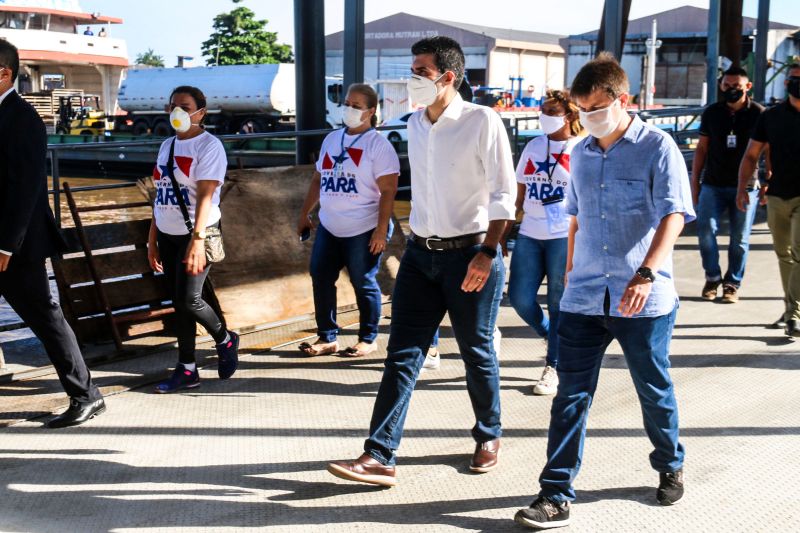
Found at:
(452, 111)
(3, 96)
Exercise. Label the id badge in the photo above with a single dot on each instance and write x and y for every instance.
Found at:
(557, 220)
(731, 141)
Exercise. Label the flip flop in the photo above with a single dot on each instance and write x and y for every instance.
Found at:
(351, 351)
(312, 351)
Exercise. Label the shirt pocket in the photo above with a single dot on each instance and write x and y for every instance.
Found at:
(631, 197)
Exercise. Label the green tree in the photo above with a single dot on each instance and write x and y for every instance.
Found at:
(150, 58)
(240, 39)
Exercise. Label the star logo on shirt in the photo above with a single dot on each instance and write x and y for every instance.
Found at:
(341, 158)
(544, 166)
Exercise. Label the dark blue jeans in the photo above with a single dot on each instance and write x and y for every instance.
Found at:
(531, 261)
(428, 285)
(714, 203)
(329, 255)
(584, 339)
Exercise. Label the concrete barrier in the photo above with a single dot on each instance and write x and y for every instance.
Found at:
(264, 277)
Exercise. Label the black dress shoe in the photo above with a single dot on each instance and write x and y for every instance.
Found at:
(778, 324)
(77, 413)
(792, 328)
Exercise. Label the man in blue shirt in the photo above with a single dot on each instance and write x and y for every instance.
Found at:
(629, 198)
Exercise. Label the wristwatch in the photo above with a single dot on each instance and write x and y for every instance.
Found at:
(646, 273)
(488, 250)
(201, 234)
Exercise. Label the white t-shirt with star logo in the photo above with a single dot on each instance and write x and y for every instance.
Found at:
(199, 158)
(349, 196)
(532, 170)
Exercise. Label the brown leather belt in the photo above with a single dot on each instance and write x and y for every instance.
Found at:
(449, 243)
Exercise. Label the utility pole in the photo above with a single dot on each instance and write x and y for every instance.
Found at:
(652, 45)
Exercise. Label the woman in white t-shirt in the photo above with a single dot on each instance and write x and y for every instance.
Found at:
(541, 247)
(199, 165)
(355, 183)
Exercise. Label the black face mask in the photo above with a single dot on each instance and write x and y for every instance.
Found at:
(794, 86)
(732, 95)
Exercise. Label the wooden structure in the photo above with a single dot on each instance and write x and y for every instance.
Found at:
(107, 287)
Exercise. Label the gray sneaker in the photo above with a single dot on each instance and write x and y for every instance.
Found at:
(544, 513)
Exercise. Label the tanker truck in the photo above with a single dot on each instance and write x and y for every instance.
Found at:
(239, 98)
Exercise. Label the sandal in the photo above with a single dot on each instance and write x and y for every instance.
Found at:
(352, 351)
(319, 348)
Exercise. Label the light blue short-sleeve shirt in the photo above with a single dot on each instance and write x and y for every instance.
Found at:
(619, 197)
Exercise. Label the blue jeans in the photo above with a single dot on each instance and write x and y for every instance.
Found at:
(532, 260)
(584, 339)
(428, 285)
(714, 203)
(329, 255)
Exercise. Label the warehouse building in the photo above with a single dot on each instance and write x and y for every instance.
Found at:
(681, 58)
(493, 55)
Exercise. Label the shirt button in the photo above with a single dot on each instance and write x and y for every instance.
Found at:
(604, 156)
(608, 275)
(603, 216)
(605, 247)
(602, 185)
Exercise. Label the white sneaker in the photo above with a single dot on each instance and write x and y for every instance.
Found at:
(497, 338)
(432, 360)
(548, 383)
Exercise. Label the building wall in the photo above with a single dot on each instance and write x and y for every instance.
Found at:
(536, 68)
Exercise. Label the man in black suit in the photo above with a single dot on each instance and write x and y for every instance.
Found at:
(28, 235)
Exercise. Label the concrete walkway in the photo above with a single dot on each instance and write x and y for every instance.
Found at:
(250, 453)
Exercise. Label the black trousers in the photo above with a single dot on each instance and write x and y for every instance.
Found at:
(26, 288)
(187, 296)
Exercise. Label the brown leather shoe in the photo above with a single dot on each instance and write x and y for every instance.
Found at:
(485, 457)
(365, 469)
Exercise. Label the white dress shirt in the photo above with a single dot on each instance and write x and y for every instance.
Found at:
(462, 173)
(3, 97)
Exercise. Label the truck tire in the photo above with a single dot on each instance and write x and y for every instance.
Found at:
(140, 127)
(161, 128)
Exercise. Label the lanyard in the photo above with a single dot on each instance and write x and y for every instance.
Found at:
(551, 170)
(340, 159)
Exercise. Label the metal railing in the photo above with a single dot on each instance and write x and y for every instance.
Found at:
(513, 131)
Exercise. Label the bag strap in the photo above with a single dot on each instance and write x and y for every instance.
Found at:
(176, 189)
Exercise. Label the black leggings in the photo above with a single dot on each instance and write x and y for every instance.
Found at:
(186, 290)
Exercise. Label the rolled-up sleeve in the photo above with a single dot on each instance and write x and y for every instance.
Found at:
(499, 168)
(671, 190)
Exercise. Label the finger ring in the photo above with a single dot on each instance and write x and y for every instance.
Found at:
(480, 279)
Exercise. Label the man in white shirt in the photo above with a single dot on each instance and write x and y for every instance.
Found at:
(462, 181)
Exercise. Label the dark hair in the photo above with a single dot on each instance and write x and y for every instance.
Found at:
(735, 71)
(447, 55)
(372, 98)
(196, 94)
(602, 73)
(563, 99)
(9, 58)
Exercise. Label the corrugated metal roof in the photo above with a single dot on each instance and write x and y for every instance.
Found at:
(680, 22)
(505, 33)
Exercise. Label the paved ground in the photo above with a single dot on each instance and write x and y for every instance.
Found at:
(251, 453)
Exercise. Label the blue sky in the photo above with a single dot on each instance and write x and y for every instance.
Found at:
(178, 27)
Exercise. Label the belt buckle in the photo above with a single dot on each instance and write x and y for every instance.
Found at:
(428, 239)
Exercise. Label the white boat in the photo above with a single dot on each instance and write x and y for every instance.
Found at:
(64, 49)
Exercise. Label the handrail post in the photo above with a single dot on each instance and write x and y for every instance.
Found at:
(56, 186)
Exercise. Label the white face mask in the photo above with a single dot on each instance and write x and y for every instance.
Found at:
(423, 90)
(601, 122)
(180, 120)
(352, 117)
(551, 124)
